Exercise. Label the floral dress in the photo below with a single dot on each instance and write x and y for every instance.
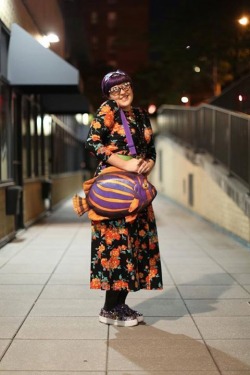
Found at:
(124, 256)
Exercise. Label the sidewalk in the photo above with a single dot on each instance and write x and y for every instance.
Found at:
(198, 325)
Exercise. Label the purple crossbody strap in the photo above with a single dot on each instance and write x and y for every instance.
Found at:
(130, 141)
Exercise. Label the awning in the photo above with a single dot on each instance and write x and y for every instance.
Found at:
(36, 69)
(64, 103)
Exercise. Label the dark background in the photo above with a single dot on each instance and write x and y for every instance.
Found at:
(159, 43)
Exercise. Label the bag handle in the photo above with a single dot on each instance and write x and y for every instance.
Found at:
(130, 141)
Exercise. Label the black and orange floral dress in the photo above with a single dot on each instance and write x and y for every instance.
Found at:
(124, 256)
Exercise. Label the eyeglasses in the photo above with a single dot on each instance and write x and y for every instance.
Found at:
(116, 90)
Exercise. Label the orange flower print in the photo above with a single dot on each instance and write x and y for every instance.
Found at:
(152, 262)
(95, 284)
(147, 134)
(105, 263)
(104, 109)
(123, 230)
(112, 147)
(105, 285)
(142, 233)
(96, 124)
(115, 252)
(118, 128)
(120, 284)
(103, 150)
(152, 246)
(114, 262)
(111, 235)
(109, 119)
(130, 267)
(151, 275)
(95, 137)
(100, 250)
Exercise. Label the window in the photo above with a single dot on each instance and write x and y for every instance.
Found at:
(111, 44)
(5, 109)
(94, 42)
(32, 157)
(4, 42)
(111, 19)
(5, 133)
(93, 18)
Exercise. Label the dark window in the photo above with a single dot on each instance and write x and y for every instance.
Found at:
(5, 133)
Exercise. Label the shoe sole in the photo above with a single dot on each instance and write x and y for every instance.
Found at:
(140, 319)
(118, 323)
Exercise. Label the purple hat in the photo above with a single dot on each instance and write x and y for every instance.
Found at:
(112, 79)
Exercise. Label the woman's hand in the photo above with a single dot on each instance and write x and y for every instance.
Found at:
(146, 166)
(133, 165)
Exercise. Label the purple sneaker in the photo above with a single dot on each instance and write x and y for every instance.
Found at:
(139, 316)
(118, 317)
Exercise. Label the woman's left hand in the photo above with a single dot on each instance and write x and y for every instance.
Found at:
(146, 166)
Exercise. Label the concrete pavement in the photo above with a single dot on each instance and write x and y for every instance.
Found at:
(199, 323)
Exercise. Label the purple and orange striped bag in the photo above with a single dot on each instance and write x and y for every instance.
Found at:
(115, 193)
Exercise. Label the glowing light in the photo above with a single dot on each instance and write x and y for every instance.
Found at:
(53, 38)
(240, 97)
(197, 69)
(82, 118)
(47, 124)
(151, 109)
(243, 21)
(44, 41)
(185, 99)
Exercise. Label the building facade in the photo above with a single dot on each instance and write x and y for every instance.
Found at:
(41, 148)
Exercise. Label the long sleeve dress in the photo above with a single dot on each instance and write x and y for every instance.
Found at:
(124, 256)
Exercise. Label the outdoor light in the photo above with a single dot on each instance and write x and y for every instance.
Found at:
(44, 41)
(240, 97)
(151, 109)
(47, 125)
(185, 99)
(82, 118)
(52, 38)
(243, 21)
(197, 69)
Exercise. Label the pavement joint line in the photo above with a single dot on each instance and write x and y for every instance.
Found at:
(193, 320)
(34, 303)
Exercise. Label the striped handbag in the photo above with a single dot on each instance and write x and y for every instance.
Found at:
(115, 193)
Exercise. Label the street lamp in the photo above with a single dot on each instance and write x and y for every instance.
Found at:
(243, 21)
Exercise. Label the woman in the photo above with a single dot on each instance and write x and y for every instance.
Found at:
(124, 256)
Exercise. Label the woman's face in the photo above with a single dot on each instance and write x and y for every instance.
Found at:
(122, 94)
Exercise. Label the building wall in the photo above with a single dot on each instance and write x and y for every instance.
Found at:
(130, 32)
(210, 201)
(37, 17)
(65, 186)
(7, 223)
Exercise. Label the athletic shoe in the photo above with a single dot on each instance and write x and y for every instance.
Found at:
(139, 316)
(118, 317)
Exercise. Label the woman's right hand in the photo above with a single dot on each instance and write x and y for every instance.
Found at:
(133, 165)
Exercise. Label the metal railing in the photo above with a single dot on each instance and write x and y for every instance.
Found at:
(223, 134)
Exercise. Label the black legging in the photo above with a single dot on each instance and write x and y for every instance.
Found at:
(114, 298)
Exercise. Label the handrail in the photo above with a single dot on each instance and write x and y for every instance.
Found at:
(222, 133)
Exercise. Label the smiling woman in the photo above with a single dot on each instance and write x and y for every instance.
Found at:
(124, 255)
